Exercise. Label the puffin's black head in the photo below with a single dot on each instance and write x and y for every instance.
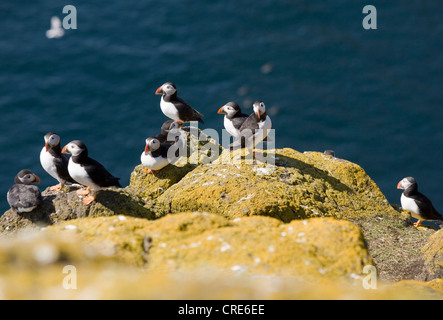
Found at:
(406, 183)
(25, 176)
(75, 147)
(166, 125)
(259, 108)
(170, 125)
(175, 125)
(152, 144)
(168, 88)
(231, 108)
(51, 140)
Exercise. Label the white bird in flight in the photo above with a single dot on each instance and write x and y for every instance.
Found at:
(56, 30)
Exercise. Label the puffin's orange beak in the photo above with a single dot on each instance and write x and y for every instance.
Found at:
(221, 111)
(64, 149)
(147, 148)
(37, 179)
(46, 146)
(258, 113)
(398, 185)
(159, 91)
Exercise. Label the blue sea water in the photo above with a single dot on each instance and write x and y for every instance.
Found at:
(374, 96)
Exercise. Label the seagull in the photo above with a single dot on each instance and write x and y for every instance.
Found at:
(56, 30)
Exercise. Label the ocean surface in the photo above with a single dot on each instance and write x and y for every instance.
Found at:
(373, 96)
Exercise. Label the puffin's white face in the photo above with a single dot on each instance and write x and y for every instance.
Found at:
(168, 89)
(53, 140)
(28, 178)
(152, 144)
(259, 108)
(73, 149)
(230, 110)
(406, 183)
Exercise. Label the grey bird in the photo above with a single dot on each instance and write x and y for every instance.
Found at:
(23, 196)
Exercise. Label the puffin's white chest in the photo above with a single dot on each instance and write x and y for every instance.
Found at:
(152, 163)
(47, 162)
(263, 130)
(169, 110)
(410, 205)
(230, 127)
(79, 174)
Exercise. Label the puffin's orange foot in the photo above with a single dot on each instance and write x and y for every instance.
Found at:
(88, 200)
(84, 192)
(417, 224)
(55, 188)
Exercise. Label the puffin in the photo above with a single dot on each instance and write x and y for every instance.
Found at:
(88, 171)
(254, 129)
(155, 156)
(54, 162)
(417, 203)
(234, 118)
(330, 153)
(175, 108)
(23, 196)
(167, 127)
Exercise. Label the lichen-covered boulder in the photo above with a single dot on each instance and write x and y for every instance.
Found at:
(148, 186)
(66, 205)
(298, 186)
(194, 256)
(433, 255)
(259, 245)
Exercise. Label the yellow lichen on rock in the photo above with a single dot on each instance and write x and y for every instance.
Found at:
(181, 256)
(223, 230)
(433, 254)
(298, 186)
(258, 245)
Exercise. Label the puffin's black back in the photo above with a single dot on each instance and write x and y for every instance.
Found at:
(95, 170)
(61, 162)
(186, 112)
(427, 209)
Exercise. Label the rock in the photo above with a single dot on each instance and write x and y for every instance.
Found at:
(180, 257)
(299, 186)
(433, 255)
(258, 245)
(252, 208)
(67, 205)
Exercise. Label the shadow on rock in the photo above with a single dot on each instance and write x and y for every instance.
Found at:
(63, 206)
(309, 169)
